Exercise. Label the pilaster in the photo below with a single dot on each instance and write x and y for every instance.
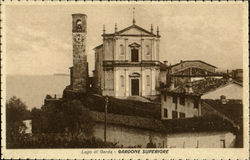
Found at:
(143, 81)
(127, 87)
(153, 81)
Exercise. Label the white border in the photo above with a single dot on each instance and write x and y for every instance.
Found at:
(187, 153)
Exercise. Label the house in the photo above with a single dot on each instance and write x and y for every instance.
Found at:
(189, 71)
(185, 100)
(228, 88)
(237, 75)
(179, 103)
(127, 63)
(230, 110)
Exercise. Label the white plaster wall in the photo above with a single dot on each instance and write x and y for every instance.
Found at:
(188, 108)
(28, 124)
(231, 91)
(200, 140)
(127, 136)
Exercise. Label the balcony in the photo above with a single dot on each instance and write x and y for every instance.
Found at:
(119, 63)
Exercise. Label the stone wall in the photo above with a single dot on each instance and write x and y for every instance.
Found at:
(79, 72)
(130, 137)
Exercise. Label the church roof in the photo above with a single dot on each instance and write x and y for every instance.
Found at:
(141, 32)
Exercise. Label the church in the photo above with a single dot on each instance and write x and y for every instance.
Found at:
(127, 63)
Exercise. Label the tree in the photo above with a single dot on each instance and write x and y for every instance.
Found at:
(16, 112)
(65, 116)
(77, 119)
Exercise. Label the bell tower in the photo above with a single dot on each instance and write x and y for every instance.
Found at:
(79, 71)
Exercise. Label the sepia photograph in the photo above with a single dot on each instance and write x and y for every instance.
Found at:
(125, 76)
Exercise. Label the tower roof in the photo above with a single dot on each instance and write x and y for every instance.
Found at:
(79, 14)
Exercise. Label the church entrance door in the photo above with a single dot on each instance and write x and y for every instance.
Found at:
(134, 55)
(135, 87)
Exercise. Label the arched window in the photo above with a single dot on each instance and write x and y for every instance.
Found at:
(78, 22)
(148, 80)
(122, 80)
(79, 25)
(121, 49)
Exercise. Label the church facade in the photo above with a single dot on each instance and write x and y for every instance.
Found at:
(127, 63)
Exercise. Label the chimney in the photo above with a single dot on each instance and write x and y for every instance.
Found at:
(165, 62)
(171, 86)
(223, 99)
(190, 88)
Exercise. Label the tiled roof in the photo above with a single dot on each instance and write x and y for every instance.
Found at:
(203, 86)
(193, 61)
(233, 109)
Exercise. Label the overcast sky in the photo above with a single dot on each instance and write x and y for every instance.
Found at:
(39, 38)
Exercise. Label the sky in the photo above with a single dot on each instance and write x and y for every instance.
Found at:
(39, 37)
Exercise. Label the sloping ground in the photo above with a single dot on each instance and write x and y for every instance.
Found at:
(123, 106)
(146, 115)
(129, 121)
(196, 124)
(136, 98)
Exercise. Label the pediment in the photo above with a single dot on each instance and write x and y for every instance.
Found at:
(134, 45)
(134, 74)
(135, 30)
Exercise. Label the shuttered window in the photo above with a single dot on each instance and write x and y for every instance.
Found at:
(174, 114)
